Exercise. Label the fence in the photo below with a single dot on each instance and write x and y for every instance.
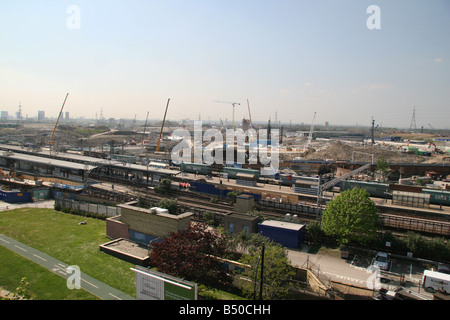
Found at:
(41, 204)
(416, 224)
(315, 269)
(88, 207)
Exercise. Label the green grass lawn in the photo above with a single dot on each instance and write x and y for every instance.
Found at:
(43, 284)
(59, 235)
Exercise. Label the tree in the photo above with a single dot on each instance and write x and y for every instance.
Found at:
(315, 232)
(164, 187)
(192, 254)
(382, 167)
(210, 218)
(277, 271)
(351, 217)
(245, 241)
(22, 292)
(232, 195)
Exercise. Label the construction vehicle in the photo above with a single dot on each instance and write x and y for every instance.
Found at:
(51, 142)
(311, 132)
(435, 149)
(251, 124)
(162, 126)
(145, 128)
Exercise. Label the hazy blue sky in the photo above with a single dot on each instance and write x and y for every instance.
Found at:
(292, 57)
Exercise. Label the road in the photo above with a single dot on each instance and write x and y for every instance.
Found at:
(97, 288)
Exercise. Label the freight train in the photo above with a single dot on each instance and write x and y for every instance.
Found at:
(207, 170)
(308, 184)
(384, 190)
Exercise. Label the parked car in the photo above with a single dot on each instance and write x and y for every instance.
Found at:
(382, 261)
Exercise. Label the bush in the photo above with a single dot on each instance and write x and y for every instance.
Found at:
(210, 218)
(314, 232)
(164, 187)
(232, 195)
(80, 212)
(421, 247)
(169, 204)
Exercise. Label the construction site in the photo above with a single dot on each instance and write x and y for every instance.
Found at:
(140, 139)
(91, 164)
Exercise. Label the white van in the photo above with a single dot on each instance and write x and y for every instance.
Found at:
(436, 281)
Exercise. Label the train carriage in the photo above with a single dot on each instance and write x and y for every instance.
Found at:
(375, 189)
(438, 196)
(233, 172)
(197, 168)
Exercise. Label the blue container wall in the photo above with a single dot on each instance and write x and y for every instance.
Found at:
(16, 197)
(287, 238)
(211, 189)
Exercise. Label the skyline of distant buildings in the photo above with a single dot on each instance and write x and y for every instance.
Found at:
(4, 115)
(129, 122)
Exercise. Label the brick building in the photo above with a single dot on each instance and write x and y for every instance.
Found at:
(144, 225)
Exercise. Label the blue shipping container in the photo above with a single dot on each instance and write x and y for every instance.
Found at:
(287, 234)
(15, 197)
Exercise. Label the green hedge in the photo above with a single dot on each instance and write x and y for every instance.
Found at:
(80, 212)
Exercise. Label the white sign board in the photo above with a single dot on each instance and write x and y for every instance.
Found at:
(152, 285)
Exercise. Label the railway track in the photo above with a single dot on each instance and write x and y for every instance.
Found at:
(199, 203)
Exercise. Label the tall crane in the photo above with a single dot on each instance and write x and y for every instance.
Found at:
(233, 104)
(51, 142)
(311, 131)
(249, 115)
(162, 126)
(145, 128)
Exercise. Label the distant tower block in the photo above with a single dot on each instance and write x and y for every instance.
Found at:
(41, 115)
(4, 115)
(67, 117)
(19, 113)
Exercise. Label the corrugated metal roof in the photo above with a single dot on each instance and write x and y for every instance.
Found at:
(282, 224)
(49, 161)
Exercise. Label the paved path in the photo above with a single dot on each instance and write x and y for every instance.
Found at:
(97, 288)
